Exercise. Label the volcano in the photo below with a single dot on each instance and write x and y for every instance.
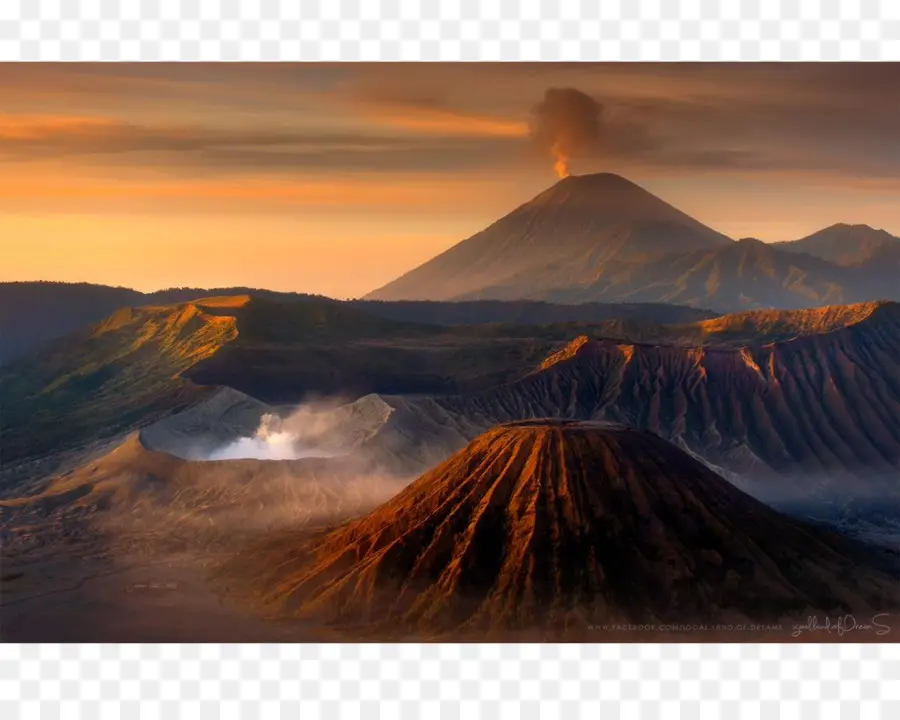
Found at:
(543, 529)
(602, 238)
(561, 238)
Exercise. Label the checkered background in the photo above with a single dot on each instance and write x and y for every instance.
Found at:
(455, 30)
(453, 681)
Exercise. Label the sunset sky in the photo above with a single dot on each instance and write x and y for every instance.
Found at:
(337, 178)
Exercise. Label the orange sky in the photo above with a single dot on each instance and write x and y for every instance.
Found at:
(336, 179)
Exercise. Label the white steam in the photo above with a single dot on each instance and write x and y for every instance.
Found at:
(312, 430)
(269, 442)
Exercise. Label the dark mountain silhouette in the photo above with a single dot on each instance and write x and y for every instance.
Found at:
(528, 312)
(843, 244)
(34, 313)
(540, 529)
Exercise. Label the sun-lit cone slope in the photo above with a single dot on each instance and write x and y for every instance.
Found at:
(550, 526)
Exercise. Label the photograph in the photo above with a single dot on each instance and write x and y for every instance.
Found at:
(458, 352)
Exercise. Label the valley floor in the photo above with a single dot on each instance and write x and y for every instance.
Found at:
(68, 589)
(169, 600)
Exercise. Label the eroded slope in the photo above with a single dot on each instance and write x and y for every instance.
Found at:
(549, 526)
(818, 407)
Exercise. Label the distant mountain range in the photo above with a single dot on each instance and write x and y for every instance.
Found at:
(601, 238)
(34, 313)
(590, 248)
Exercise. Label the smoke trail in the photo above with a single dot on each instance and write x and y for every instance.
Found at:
(566, 122)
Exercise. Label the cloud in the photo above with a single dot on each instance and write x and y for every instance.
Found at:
(29, 129)
(439, 141)
(447, 123)
(36, 136)
(416, 110)
(297, 119)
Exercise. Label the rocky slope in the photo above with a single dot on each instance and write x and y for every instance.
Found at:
(819, 408)
(122, 372)
(543, 528)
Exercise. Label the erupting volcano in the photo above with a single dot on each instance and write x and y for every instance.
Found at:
(542, 529)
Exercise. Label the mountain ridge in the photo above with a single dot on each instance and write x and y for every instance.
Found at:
(819, 409)
(601, 238)
(843, 243)
(33, 314)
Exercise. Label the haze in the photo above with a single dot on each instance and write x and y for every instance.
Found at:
(335, 179)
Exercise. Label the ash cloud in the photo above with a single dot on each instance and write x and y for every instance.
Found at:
(567, 123)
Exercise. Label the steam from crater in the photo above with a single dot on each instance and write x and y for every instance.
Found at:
(269, 442)
(311, 430)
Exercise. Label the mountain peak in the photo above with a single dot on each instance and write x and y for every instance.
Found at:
(843, 243)
(850, 232)
(601, 190)
(861, 227)
(853, 232)
(597, 179)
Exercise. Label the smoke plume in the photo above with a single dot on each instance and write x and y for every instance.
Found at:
(313, 429)
(566, 122)
(269, 442)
